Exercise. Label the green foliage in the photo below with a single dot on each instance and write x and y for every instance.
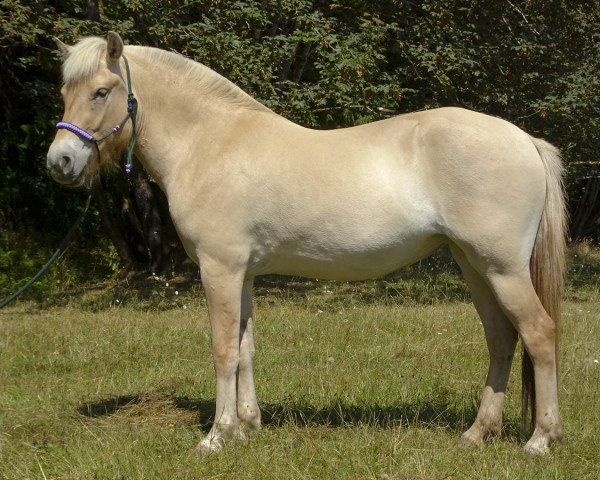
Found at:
(18, 263)
(22, 256)
(583, 275)
(321, 64)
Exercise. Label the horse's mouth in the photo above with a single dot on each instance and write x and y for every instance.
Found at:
(70, 180)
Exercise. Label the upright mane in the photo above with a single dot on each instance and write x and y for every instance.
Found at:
(192, 73)
(84, 58)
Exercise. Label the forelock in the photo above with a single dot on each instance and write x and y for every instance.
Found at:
(83, 59)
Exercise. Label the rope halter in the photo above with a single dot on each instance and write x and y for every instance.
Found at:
(132, 107)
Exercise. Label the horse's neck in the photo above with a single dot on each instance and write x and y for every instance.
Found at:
(178, 122)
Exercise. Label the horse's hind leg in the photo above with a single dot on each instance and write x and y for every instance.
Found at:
(510, 281)
(518, 299)
(501, 339)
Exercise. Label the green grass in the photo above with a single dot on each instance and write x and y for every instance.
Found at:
(372, 392)
(363, 381)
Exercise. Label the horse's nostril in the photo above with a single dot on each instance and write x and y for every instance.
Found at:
(66, 160)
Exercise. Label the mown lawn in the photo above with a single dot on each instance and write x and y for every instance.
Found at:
(121, 386)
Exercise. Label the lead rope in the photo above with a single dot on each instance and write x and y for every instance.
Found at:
(132, 107)
(57, 253)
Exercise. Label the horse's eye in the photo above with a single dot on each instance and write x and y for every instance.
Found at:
(101, 93)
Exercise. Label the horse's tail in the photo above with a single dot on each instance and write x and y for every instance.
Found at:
(547, 264)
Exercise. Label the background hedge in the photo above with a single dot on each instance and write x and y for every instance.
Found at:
(321, 64)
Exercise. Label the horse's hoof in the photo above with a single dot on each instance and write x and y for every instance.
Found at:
(208, 446)
(471, 438)
(537, 450)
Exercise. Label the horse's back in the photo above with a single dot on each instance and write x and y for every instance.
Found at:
(360, 202)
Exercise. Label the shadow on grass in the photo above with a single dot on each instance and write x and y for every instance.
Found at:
(433, 279)
(435, 414)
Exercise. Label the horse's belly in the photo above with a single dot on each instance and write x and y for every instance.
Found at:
(307, 260)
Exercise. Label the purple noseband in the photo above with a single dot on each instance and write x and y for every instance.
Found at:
(88, 136)
(76, 130)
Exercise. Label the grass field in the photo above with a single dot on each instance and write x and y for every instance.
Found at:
(119, 384)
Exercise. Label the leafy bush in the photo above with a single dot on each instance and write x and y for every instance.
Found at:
(321, 64)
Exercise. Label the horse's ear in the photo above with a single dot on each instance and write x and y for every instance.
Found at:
(63, 47)
(114, 48)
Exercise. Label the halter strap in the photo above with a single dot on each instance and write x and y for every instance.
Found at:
(76, 130)
(132, 107)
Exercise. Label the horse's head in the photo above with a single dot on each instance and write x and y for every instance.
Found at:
(95, 98)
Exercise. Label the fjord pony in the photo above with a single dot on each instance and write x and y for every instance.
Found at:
(252, 193)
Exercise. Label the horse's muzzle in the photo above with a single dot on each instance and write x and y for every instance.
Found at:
(67, 160)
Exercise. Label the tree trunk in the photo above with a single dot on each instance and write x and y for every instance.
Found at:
(92, 10)
(586, 215)
(136, 218)
(110, 207)
(157, 227)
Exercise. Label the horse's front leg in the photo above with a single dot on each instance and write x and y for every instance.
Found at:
(223, 290)
(247, 405)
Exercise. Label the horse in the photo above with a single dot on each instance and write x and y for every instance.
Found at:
(252, 193)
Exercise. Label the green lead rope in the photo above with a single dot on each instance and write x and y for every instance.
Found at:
(57, 253)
